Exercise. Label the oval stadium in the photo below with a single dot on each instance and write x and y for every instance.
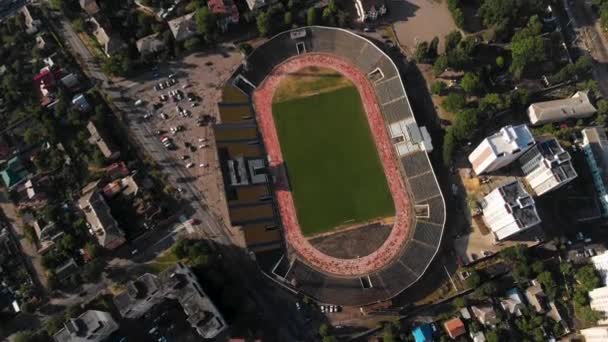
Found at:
(325, 169)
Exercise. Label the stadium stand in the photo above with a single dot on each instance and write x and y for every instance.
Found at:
(279, 261)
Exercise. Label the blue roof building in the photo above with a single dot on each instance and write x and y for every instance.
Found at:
(14, 173)
(423, 333)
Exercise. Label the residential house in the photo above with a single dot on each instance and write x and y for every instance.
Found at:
(576, 107)
(478, 336)
(178, 283)
(79, 101)
(595, 334)
(600, 262)
(32, 25)
(423, 333)
(47, 235)
(35, 194)
(485, 314)
(89, 6)
(150, 45)
(225, 11)
(513, 304)
(501, 148)
(66, 270)
(41, 41)
(508, 210)
(97, 213)
(547, 166)
(599, 302)
(46, 84)
(70, 81)
(454, 327)
(537, 297)
(183, 27)
(127, 186)
(90, 326)
(110, 42)
(595, 147)
(117, 170)
(14, 173)
(370, 10)
(104, 145)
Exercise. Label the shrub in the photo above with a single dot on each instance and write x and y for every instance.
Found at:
(438, 87)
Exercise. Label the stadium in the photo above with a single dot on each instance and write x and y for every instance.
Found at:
(325, 169)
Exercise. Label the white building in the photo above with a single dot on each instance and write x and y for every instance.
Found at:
(508, 210)
(576, 107)
(595, 147)
(595, 334)
(600, 262)
(599, 302)
(547, 166)
(501, 149)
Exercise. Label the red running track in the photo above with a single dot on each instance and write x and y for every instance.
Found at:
(262, 98)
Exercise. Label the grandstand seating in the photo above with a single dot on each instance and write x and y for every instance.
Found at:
(425, 236)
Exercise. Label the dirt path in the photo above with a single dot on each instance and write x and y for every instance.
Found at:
(390, 248)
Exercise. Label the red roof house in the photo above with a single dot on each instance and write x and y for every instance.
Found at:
(454, 327)
(226, 12)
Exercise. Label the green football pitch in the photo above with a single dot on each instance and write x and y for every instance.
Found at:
(332, 163)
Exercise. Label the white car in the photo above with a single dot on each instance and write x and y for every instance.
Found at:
(202, 139)
(185, 86)
(139, 102)
(322, 308)
(189, 165)
(164, 116)
(203, 165)
(203, 145)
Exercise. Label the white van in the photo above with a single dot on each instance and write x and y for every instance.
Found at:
(139, 102)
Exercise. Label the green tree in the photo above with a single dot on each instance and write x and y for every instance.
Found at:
(449, 144)
(602, 107)
(491, 103)
(474, 280)
(205, 21)
(438, 87)
(328, 17)
(459, 302)
(454, 102)
(587, 277)
(487, 289)
(441, 63)
(192, 43)
(527, 47)
(78, 24)
(25, 336)
(421, 54)
(500, 62)
(92, 249)
(323, 330)
(471, 83)
(465, 124)
(546, 280)
(311, 16)
(538, 267)
(263, 23)
(452, 40)
(433, 50)
(288, 19)
(54, 324)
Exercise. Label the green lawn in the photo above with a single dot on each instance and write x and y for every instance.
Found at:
(333, 166)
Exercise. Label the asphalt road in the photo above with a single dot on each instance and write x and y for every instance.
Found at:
(275, 304)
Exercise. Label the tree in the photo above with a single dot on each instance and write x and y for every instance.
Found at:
(263, 23)
(192, 43)
(456, 11)
(433, 50)
(459, 302)
(328, 17)
(546, 280)
(441, 63)
(452, 40)
(421, 52)
(78, 24)
(538, 267)
(288, 19)
(54, 324)
(487, 289)
(92, 249)
(602, 107)
(454, 102)
(465, 124)
(116, 65)
(438, 87)
(25, 336)
(527, 47)
(205, 21)
(471, 83)
(343, 18)
(587, 277)
(388, 334)
(323, 330)
(311, 16)
(449, 143)
(500, 62)
(474, 279)
(491, 103)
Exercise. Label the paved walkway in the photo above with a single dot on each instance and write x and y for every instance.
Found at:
(393, 244)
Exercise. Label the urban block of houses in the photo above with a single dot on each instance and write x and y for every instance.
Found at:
(595, 334)
(104, 145)
(89, 6)
(537, 297)
(32, 25)
(183, 27)
(110, 42)
(370, 10)
(79, 101)
(599, 301)
(150, 45)
(508, 210)
(177, 283)
(513, 304)
(46, 84)
(576, 107)
(547, 166)
(600, 262)
(454, 327)
(14, 173)
(127, 186)
(501, 148)
(90, 326)
(485, 314)
(97, 213)
(48, 233)
(423, 333)
(595, 147)
(225, 11)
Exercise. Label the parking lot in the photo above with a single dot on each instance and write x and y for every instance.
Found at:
(183, 118)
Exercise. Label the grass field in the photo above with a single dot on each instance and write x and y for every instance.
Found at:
(309, 81)
(333, 166)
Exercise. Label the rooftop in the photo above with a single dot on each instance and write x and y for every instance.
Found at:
(509, 140)
(91, 326)
(547, 166)
(183, 27)
(577, 106)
